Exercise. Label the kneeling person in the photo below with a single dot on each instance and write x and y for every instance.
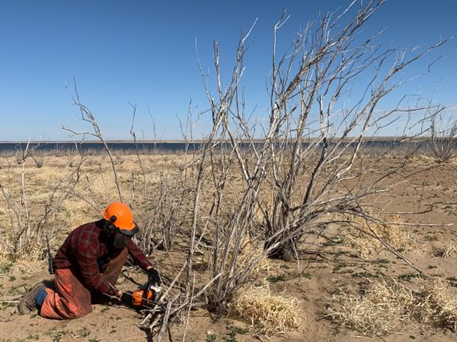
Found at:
(89, 263)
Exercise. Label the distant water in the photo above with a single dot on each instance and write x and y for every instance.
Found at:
(96, 146)
(161, 146)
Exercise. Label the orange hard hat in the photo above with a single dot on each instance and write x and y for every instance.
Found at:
(120, 215)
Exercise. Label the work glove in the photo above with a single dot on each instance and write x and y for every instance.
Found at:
(127, 297)
(154, 277)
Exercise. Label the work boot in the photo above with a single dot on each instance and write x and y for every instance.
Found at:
(28, 301)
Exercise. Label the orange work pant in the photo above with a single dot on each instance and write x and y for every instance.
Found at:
(72, 297)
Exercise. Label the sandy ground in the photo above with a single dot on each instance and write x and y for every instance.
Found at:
(324, 271)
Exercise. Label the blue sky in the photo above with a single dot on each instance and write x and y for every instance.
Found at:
(143, 52)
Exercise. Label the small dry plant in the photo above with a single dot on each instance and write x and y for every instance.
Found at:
(385, 307)
(269, 313)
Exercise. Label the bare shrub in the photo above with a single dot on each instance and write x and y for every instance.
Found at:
(249, 249)
(89, 117)
(19, 157)
(168, 190)
(443, 139)
(38, 158)
(304, 166)
(30, 217)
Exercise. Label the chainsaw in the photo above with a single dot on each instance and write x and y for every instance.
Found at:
(148, 294)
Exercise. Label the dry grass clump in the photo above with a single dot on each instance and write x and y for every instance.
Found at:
(360, 235)
(422, 157)
(383, 309)
(47, 176)
(435, 305)
(379, 312)
(23, 267)
(269, 313)
(75, 213)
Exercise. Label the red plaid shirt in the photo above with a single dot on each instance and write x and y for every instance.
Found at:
(84, 247)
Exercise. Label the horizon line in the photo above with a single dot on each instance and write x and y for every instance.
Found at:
(177, 141)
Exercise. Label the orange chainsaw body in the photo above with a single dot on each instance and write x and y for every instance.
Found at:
(138, 299)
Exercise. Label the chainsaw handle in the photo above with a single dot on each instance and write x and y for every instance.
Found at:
(149, 285)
